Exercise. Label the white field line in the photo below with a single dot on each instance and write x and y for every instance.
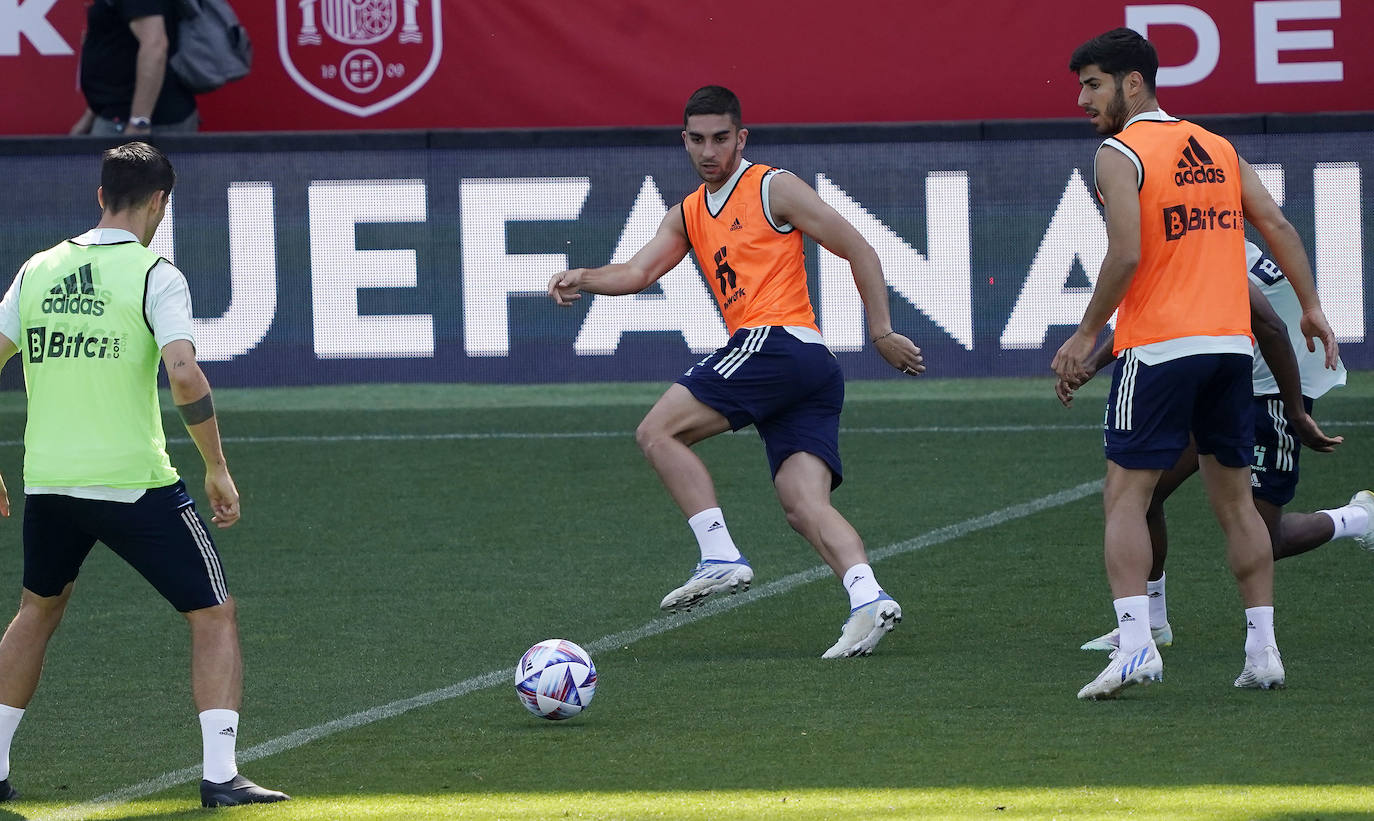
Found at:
(712, 607)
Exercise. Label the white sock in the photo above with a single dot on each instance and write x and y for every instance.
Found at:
(713, 537)
(1159, 611)
(218, 736)
(1259, 630)
(1133, 620)
(1351, 520)
(9, 722)
(862, 587)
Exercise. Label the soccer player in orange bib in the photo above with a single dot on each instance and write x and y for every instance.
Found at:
(1177, 198)
(745, 224)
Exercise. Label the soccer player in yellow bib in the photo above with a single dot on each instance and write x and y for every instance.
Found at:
(95, 315)
(745, 224)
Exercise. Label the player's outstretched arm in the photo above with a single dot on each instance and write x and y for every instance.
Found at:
(191, 393)
(795, 202)
(1284, 243)
(1116, 179)
(660, 255)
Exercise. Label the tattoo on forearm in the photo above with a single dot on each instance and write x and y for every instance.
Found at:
(193, 413)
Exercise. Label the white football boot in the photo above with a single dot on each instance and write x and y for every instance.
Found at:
(1163, 636)
(710, 576)
(1264, 672)
(1140, 666)
(865, 627)
(1365, 499)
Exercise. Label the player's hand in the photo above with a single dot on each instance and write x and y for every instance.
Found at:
(223, 496)
(1312, 436)
(1071, 361)
(565, 288)
(1315, 327)
(1065, 388)
(901, 353)
(4, 499)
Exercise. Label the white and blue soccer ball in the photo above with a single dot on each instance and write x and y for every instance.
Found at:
(555, 679)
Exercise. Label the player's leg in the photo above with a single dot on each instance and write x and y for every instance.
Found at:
(1156, 526)
(1224, 427)
(55, 545)
(166, 541)
(800, 428)
(803, 484)
(803, 487)
(1146, 431)
(1155, 519)
(216, 660)
(1248, 551)
(22, 650)
(1276, 469)
(678, 420)
(25, 644)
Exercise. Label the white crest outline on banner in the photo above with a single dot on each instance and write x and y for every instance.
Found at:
(344, 105)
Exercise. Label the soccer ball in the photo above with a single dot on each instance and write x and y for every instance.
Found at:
(555, 679)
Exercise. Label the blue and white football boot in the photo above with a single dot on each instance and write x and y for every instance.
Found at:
(1139, 666)
(865, 628)
(710, 576)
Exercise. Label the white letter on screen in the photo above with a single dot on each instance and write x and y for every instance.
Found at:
(1269, 41)
(252, 273)
(339, 269)
(939, 286)
(490, 275)
(1076, 231)
(1199, 22)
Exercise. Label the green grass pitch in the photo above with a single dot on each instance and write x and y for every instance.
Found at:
(402, 545)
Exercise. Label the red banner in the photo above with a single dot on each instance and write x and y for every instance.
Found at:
(397, 64)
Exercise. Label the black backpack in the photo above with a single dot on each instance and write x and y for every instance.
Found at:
(212, 46)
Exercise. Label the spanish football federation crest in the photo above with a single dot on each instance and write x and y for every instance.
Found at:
(360, 56)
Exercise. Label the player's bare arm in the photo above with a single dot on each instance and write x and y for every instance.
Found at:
(1271, 335)
(1116, 179)
(7, 349)
(795, 202)
(659, 256)
(1286, 247)
(191, 394)
(1099, 359)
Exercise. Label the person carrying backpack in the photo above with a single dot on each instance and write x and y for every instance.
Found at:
(143, 62)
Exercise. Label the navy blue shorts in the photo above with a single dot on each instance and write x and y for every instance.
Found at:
(161, 536)
(1152, 408)
(1274, 471)
(791, 391)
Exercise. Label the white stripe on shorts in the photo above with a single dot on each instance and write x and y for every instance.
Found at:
(1125, 391)
(1283, 460)
(752, 344)
(207, 554)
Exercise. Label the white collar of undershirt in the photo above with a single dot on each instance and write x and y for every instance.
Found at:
(1157, 115)
(105, 236)
(715, 200)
